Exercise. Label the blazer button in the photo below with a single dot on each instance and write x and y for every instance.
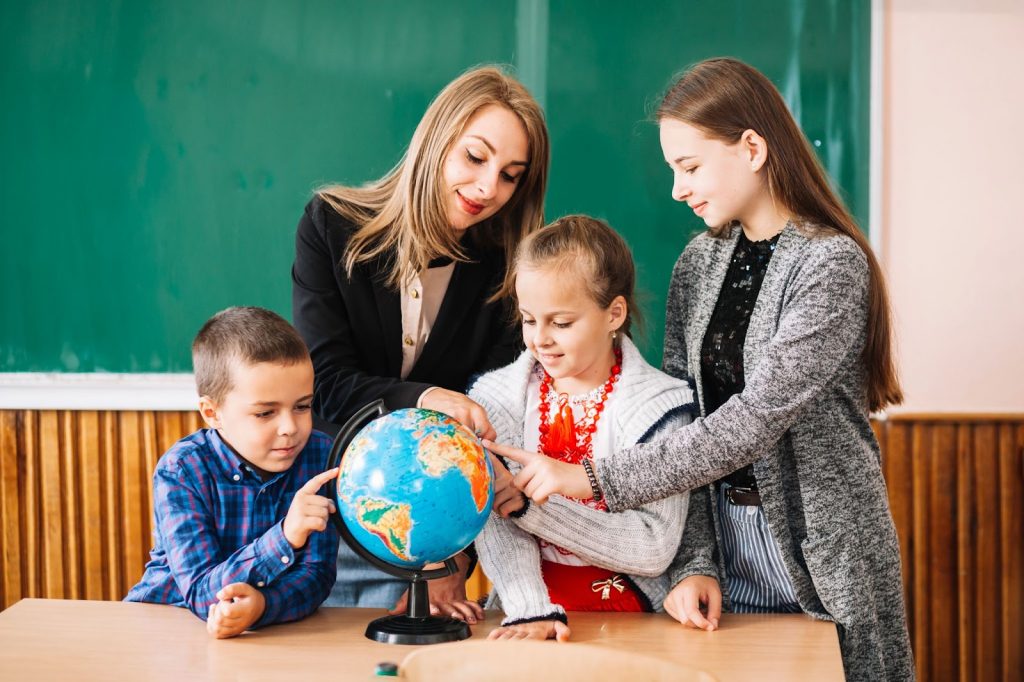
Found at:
(407, 340)
(415, 293)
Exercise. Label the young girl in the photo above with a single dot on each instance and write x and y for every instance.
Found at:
(580, 391)
(779, 312)
(394, 283)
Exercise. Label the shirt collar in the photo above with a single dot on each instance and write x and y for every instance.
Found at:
(230, 464)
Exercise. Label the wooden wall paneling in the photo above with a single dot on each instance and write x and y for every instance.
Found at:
(967, 578)
(51, 503)
(28, 484)
(70, 492)
(1011, 481)
(942, 542)
(897, 466)
(11, 554)
(112, 528)
(986, 534)
(89, 460)
(133, 509)
(920, 440)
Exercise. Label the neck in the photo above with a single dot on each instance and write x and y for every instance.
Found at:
(765, 220)
(589, 379)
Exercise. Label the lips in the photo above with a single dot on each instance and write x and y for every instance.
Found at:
(699, 208)
(470, 207)
(284, 452)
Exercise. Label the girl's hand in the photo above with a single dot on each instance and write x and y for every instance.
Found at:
(507, 497)
(460, 408)
(691, 598)
(541, 629)
(542, 476)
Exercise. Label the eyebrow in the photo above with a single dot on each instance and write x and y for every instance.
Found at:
(524, 164)
(275, 403)
(682, 158)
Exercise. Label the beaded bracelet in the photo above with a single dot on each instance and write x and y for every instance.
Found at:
(589, 468)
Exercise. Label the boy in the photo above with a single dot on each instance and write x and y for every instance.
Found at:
(241, 536)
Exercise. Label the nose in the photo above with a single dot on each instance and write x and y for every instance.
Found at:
(286, 425)
(541, 337)
(487, 184)
(680, 190)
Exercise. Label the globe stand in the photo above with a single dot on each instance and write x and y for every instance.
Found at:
(416, 626)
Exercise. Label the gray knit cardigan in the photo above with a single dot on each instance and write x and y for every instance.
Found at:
(641, 543)
(802, 421)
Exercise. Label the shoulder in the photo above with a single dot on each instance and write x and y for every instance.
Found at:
(188, 459)
(495, 386)
(322, 218)
(648, 397)
(826, 253)
(695, 257)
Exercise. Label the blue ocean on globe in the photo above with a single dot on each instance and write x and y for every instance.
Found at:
(415, 487)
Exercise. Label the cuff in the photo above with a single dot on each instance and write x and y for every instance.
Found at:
(558, 615)
(274, 556)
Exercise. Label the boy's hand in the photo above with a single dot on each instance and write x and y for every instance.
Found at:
(542, 476)
(448, 595)
(507, 497)
(239, 607)
(541, 629)
(685, 600)
(309, 512)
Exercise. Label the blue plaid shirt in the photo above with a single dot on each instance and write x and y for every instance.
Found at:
(217, 522)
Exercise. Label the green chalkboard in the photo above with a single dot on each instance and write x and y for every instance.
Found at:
(156, 155)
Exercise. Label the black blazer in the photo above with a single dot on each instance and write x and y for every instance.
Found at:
(353, 327)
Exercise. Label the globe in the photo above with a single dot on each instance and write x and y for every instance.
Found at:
(415, 487)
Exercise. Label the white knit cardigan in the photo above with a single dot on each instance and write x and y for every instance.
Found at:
(640, 543)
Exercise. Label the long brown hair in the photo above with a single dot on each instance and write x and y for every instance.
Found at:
(594, 252)
(724, 97)
(403, 215)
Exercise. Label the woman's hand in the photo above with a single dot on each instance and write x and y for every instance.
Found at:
(696, 602)
(507, 497)
(460, 408)
(541, 629)
(447, 595)
(542, 476)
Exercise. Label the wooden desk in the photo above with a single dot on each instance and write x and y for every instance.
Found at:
(43, 639)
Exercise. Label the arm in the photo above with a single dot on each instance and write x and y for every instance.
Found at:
(511, 559)
(301, 590)
(322, 318)
(696, 555)
(821, 326)
(641, 541)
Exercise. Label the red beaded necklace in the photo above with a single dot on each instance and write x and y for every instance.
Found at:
(561, 438)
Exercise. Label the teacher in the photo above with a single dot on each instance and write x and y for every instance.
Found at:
(400, 286)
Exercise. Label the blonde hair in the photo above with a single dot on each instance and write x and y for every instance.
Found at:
(724, 98)
(594, 252)
(403, 216)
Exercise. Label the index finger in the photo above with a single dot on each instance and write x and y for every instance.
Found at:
(508, 452)
(314, 484)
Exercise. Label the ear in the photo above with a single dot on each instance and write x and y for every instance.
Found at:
(617, 311)
(209, 411)
(756, 149)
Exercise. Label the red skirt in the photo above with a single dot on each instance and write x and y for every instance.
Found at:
(589, 588)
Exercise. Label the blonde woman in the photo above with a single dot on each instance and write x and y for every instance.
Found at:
(399, 286)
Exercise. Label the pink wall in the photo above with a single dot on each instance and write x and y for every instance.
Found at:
(953, 200)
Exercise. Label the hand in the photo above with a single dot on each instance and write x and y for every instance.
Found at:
(447, 595)
(542, 476)
(685, 600)
(460, 408)
(239, 606)
(541, 629)
(309, 512)
(507, 497)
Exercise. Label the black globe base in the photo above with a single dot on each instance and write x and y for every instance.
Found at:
(408, 630)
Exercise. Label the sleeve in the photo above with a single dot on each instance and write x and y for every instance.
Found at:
(674, 358)
(640, 542)
(320, 314)
(697, 549)
(511, 559)
(194, 554)
(821, 325)
(303, 587)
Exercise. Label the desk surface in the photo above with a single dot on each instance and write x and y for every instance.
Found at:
(91, 640)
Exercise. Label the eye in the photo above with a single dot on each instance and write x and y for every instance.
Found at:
(302, 408)
(263, 415)
(476, 160)
(690, 170)
(510, 178)
(561, 325)
(529, 322)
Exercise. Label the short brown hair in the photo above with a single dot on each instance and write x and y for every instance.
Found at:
(595, 252)
(249, 334)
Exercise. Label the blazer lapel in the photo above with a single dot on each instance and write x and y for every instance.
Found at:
(466, 287)
(389, 308)
(715, 266)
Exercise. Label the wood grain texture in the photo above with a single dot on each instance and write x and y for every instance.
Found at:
(76, 518)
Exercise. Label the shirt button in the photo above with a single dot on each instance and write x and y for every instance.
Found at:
(260, 584)
(284, 560)
(751, 510)
(236, 477)
(414, 293)
(407, 340)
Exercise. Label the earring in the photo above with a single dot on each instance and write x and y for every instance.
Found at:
(614, 335)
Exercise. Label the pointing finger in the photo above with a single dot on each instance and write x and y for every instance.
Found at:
(314, 484)
(515, 454)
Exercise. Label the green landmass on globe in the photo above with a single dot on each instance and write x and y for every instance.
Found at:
(389, 521)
